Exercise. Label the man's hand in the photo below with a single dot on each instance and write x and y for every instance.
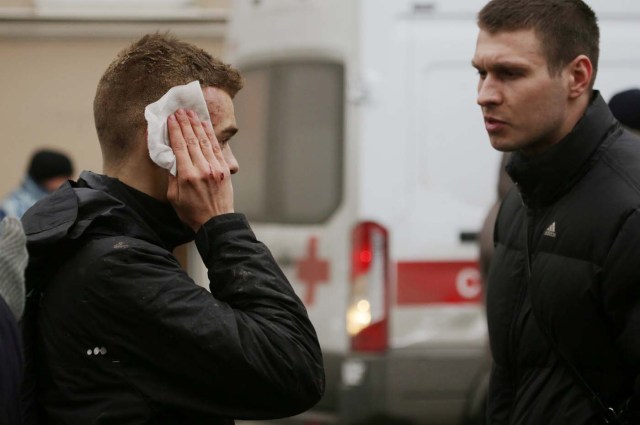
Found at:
(202, 187)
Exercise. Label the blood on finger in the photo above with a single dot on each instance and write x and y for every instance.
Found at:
(212, 174)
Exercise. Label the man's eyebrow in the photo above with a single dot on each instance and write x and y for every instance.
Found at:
(502, 66)
(510, 66)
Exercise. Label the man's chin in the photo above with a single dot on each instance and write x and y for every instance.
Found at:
(502, 145)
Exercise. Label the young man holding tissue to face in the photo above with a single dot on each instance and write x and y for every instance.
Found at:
(116, 331)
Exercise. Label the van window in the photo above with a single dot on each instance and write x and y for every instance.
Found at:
(290, 143)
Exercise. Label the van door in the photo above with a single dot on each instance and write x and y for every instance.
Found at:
(438, 322)
(291, 184)
(455, 186)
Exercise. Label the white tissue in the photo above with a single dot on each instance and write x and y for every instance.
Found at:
(188, 96)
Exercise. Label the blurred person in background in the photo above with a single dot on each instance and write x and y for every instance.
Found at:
(48, 169)
(486, 232)
(563, 298)
(13, 260)
(115, 329)
(625, 106)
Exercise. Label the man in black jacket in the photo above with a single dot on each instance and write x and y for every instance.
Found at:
(563, 300)
(117, 332)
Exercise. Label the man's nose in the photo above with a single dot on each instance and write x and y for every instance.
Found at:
(488, 92)
(231, 160)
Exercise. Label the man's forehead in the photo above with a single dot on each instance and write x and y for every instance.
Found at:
(216, 97)
(516, 47)
(221, 108)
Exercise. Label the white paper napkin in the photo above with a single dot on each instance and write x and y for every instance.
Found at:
(188, 96)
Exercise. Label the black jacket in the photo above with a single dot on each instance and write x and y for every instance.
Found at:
(568, 260)
(11, 364)
(118, 333)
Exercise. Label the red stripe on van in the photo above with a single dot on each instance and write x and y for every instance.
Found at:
(438, 282)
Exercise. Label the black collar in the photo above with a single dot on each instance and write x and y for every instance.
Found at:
(544, 178)
(158, 219)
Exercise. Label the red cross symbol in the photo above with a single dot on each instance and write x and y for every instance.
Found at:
(312, 270)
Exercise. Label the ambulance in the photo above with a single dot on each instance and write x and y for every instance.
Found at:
(366, 169)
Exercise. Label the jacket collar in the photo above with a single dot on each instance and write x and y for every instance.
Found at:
(151, 217)
(544, 178)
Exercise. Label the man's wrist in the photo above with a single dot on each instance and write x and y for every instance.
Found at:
(217, 227)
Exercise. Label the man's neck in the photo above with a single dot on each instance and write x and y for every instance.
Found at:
(142, 175)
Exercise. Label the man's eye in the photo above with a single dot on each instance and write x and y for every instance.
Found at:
(510, 73)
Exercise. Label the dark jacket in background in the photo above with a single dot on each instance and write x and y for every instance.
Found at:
(121, 335)
(11, 365)
(568, 259)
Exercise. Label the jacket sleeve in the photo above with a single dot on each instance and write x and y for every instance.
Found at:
(621, 292)
(246, 350)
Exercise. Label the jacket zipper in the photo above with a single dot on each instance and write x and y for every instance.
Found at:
(529, 224)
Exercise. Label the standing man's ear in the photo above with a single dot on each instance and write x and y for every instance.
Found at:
(580, 73)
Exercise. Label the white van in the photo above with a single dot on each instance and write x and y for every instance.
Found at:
(366, 169)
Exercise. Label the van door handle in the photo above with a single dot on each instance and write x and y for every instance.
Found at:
(468, 237)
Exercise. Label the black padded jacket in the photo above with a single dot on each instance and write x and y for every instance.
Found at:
(567, 262)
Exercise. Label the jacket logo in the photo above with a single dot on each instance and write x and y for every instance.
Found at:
(98, 350)
(551, 230)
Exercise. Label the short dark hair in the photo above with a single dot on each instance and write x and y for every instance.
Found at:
(140, 75)
(566, 28)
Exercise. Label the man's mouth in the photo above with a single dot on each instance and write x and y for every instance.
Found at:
(493, 124)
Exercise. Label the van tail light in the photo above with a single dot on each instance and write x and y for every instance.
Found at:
(368, 308)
